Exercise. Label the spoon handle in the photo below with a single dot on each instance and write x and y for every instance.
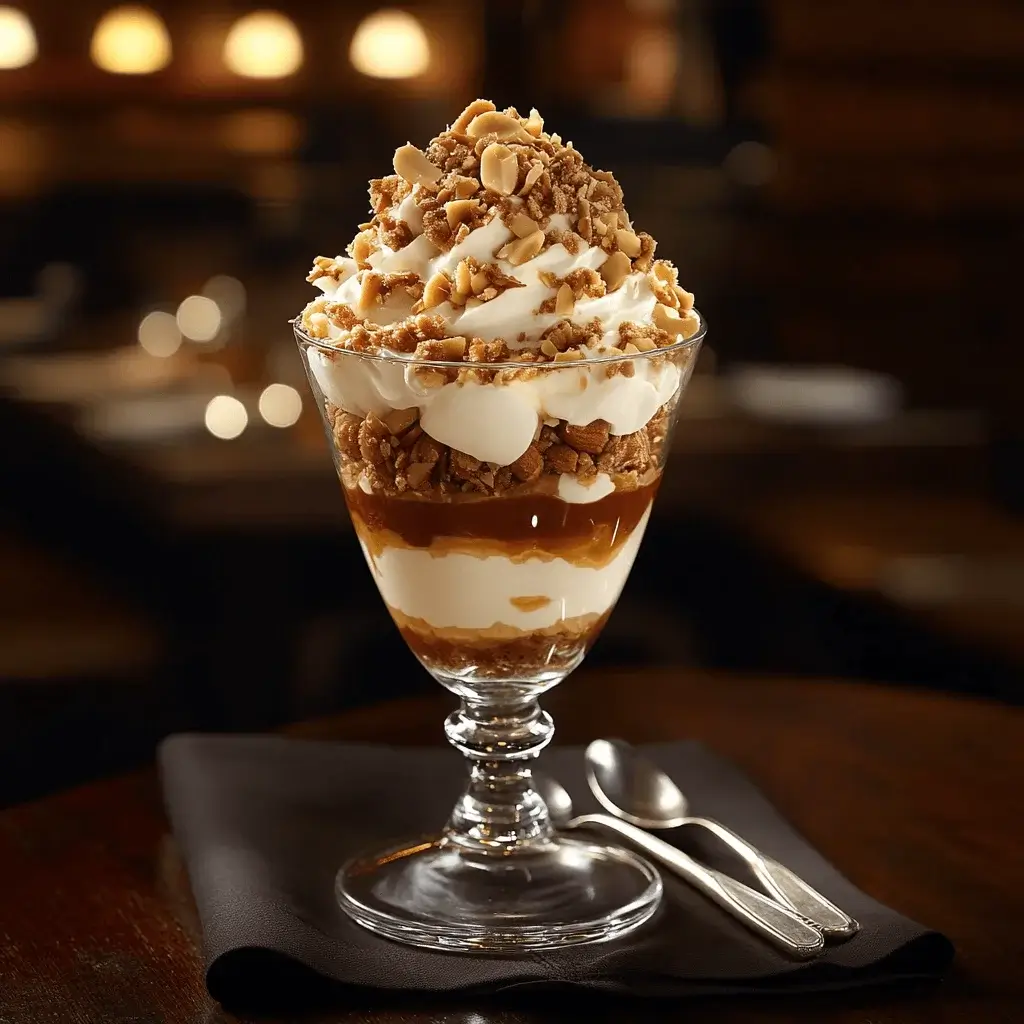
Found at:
(785, 885)
(779, 925)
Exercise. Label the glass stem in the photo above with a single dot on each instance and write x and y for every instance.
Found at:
(500, 813)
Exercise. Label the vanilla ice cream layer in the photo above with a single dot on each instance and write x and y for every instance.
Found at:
(462, 591)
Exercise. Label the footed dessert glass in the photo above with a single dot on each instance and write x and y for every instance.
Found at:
(499, 577)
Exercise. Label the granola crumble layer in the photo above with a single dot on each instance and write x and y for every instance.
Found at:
(394, 455)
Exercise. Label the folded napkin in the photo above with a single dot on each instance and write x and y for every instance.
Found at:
(263, 824)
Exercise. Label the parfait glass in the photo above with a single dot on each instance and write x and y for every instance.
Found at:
(499, 577)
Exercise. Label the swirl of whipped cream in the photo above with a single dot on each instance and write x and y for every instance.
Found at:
(513, 312)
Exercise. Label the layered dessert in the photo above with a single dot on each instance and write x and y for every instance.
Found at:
(499, 355)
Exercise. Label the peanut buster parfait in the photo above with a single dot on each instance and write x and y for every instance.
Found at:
(498, 358)
(501, 477)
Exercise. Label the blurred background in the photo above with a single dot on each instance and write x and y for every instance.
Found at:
(841, 184)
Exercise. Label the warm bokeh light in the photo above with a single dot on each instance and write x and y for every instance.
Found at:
(280, 405)
(229, 294)
(159, 334)
(390, 44)
(199, 318)
(131, 40)
(264, 44)
(18, 45)
(225, 417)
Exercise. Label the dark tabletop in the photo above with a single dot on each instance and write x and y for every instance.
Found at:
(916, 797)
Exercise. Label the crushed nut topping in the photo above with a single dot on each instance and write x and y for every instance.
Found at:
(522, 249)
(395, 234)
(501, 126)
(412, 164)
(461, 123)
(458, 211)
(643, 337)
(532, 177)
(443, 349)
(615, 270)
(499, 169)
(435, 291)
(494, 164)
(521, 225)
(673, 323)
(324, 266)
(464, 187)
(565, 300)
(627, 242)
(362, 247)
(386, 193)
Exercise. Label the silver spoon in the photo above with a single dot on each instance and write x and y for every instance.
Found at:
(630, 787)
(786, 930)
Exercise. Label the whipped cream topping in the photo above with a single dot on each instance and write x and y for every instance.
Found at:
(497, 421)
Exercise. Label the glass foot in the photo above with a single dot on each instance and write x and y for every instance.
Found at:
(561, 892)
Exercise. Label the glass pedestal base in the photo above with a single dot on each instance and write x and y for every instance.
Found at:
(437, 894)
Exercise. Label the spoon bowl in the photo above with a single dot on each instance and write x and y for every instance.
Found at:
(632, 788)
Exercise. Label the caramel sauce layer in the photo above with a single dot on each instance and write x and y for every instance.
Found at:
(527, 525)
(501, 652)
(592, 552)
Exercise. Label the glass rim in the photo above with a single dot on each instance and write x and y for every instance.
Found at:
(507, 364)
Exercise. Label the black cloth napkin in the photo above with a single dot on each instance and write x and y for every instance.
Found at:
(263, 823)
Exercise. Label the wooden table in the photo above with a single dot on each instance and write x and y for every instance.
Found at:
(912, 795)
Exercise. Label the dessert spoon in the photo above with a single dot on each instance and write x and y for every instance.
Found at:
(632, 788)
(779, 925)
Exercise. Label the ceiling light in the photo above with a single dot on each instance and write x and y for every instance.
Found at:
(18, 45)
(264, 44)
(130, 41)
(390, 44)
